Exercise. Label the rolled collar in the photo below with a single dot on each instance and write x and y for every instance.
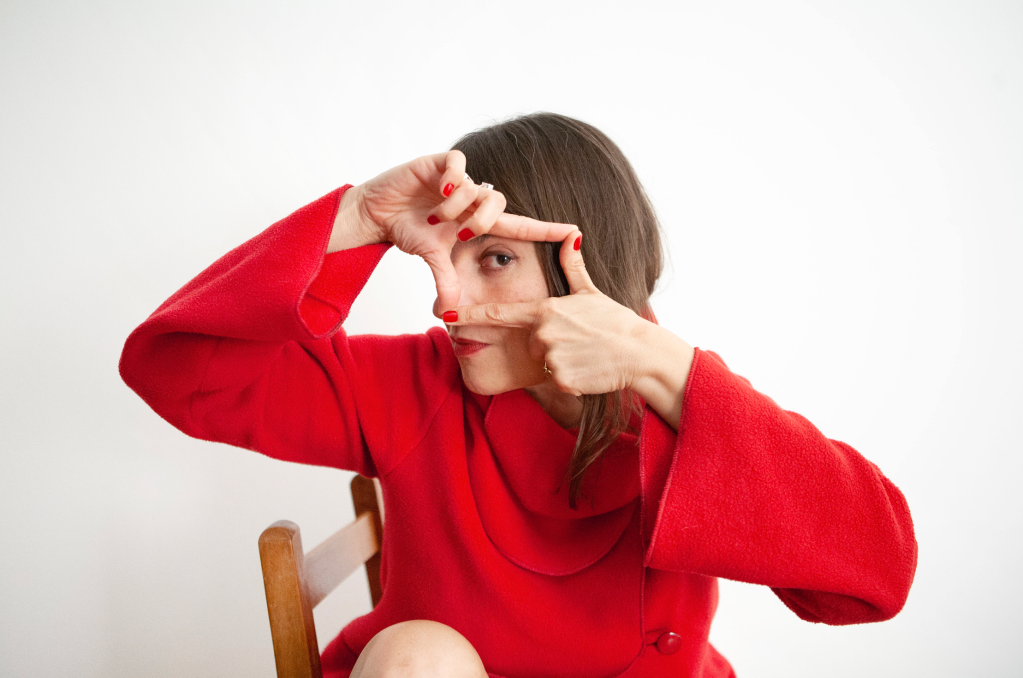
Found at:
(518, 485)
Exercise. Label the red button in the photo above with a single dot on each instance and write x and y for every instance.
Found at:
(669, 643)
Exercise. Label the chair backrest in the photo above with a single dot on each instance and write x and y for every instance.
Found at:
(296, 581)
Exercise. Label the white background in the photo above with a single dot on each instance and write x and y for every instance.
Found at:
(840, 184)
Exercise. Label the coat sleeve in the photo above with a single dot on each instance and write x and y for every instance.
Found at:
(751, 492)
(251, 353)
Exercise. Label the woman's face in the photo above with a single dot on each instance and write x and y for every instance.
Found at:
(492, 269)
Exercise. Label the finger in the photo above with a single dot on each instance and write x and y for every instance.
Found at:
(489, 205)
(429, 169)
(462, 196)
(522, 314)
(574, 266)
(449, 290)
(527, 228)
(454, 172)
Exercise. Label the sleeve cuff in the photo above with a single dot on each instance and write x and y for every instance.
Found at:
(327, 300)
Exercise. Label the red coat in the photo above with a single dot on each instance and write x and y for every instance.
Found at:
(479, 534)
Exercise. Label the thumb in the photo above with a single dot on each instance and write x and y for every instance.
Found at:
(449, 290)
(573, 265)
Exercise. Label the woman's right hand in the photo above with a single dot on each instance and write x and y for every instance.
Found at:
(424, 207)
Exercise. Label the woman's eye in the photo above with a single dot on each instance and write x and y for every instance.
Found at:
(496, 260)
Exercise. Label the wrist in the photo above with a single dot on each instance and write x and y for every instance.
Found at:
(646, 347)
(661, 369)
(352, 228)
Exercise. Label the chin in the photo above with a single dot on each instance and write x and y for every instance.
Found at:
(486, 384)
(484, 381)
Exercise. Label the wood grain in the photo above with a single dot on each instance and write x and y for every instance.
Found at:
(287, 600)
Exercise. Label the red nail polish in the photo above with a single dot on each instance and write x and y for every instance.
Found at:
(450, 316)
(432, 220)
(448, 189)
(578, 243)
(465, 234)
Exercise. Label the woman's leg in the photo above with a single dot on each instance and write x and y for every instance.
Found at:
(419, 649)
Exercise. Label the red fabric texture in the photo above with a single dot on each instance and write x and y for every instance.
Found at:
(479, 535)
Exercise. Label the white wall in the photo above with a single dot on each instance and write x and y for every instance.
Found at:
(840, 184)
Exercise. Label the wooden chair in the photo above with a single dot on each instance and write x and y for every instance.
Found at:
(296, 582)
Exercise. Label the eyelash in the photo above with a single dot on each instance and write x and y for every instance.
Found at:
(494, 256)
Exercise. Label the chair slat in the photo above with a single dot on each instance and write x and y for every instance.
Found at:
(338, 556)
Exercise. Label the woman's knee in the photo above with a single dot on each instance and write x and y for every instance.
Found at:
(419, 648)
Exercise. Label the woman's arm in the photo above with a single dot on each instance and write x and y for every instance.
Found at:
(751, 492)
(249, 353)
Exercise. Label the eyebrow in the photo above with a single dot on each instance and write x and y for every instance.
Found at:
(480, 239)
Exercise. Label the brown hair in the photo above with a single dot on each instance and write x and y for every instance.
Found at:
(555, 168)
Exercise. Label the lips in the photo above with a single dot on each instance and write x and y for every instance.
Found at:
(464, 347)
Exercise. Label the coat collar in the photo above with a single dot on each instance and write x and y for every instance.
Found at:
(518, 485)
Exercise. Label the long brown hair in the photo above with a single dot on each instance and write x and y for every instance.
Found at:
(555, 168)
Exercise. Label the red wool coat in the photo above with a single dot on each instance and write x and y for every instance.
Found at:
(479, 534)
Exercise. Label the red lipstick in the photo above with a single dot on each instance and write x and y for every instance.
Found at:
(464, 347)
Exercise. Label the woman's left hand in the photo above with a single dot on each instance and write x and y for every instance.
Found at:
(591, 343)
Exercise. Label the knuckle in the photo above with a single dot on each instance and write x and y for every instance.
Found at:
(492, 204)
(493, 313)
(431, 257)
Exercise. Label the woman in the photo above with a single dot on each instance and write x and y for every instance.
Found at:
(564, 479)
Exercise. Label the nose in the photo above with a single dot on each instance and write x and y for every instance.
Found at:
(468, 296)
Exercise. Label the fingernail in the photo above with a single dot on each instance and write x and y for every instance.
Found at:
(448, 189)
(465, 234)
(578, 243)
(450, 316)
(432, 220)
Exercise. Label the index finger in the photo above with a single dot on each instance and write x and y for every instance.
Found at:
(526, 228)
(521, 314)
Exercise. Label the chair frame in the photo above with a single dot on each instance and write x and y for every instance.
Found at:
(296, 581)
